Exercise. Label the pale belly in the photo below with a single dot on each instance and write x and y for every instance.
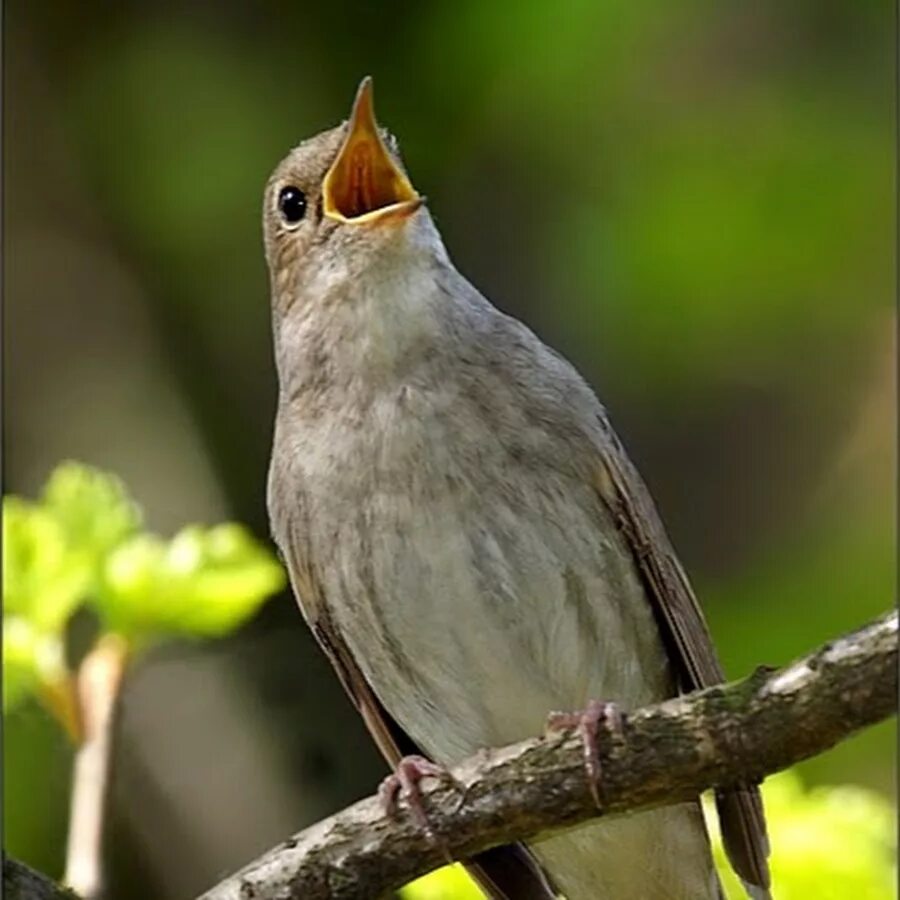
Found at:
(473, 621)
(658, 855)
(475, 606)
(470, 638)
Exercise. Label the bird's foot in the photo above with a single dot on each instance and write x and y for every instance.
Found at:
(405, 780)
(587, 722)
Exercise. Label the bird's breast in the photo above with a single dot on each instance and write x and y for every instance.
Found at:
(476, 590)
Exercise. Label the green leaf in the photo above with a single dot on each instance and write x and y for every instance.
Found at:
(52, 553)
(52, 550)
(93, 508)
(203, 582)
(43, 578)
(447, 883)
(30, 658)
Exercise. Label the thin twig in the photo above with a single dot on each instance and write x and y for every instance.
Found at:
(99, 680)
(724, 736)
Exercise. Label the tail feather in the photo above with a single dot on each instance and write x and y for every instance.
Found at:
(743, 827)
(510, 872)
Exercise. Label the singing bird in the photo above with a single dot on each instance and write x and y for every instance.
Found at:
(464, 533)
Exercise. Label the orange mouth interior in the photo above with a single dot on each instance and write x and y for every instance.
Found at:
(364, 183)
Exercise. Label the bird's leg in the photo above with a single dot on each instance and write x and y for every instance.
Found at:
(588, 721)
(405, 779)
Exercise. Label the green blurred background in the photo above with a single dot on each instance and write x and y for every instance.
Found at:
(694, 201)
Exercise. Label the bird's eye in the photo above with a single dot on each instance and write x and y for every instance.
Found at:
(292, 205)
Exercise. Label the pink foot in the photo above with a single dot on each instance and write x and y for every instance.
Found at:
(588, 722)
(409, 772)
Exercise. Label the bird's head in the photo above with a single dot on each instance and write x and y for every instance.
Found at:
(339, 209)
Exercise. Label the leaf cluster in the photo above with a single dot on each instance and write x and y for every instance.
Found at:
(81, 544)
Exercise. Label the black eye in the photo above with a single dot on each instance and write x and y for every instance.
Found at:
(292, 204)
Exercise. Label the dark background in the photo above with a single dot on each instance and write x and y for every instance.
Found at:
(694, 201)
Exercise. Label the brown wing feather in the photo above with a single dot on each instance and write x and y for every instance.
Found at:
(504, 873)
(687, 638)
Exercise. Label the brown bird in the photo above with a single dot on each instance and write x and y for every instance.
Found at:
(464, 532)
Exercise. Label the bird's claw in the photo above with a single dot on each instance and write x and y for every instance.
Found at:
(405, 780)
(587, 722)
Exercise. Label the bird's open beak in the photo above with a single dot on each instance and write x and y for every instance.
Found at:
(364, 185)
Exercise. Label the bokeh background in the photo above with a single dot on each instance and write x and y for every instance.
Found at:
(694, 201)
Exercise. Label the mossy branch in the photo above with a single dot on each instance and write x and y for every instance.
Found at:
(726, 735)
(21, 882)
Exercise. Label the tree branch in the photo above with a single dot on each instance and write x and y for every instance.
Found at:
(21, 882)
(725, 735)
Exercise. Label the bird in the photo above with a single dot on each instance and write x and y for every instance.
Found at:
(464, 532)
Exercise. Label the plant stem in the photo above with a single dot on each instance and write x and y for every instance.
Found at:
(99, 680)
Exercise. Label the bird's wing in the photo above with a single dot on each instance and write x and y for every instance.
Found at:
(687, 638)
(509, 872)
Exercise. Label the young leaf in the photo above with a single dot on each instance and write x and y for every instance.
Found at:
(30, 659)
(43, 578)
(93, 508)
(447, 883)
(203, 582)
